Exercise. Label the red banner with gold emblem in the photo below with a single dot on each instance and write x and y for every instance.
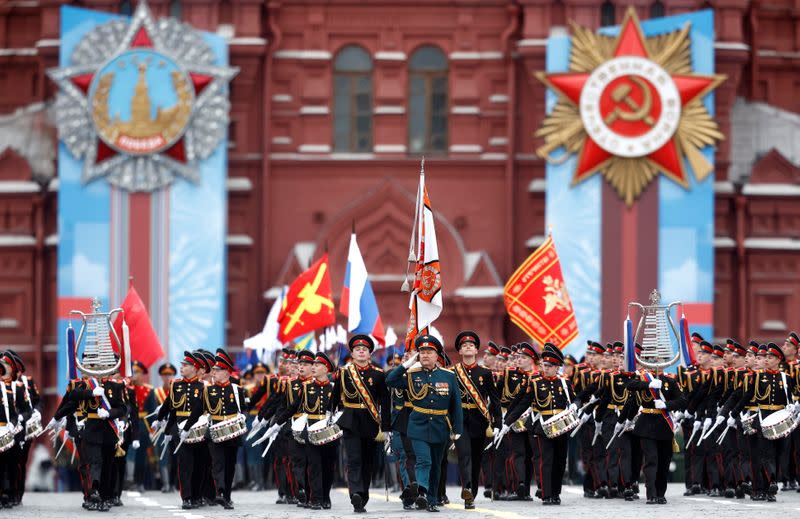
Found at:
(308, 305)
(537, 301)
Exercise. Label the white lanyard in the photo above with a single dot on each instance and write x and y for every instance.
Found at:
(236, 395)
(5, 401)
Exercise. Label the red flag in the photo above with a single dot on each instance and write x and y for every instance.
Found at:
(144, 344)
(537, 301)
(308, 305)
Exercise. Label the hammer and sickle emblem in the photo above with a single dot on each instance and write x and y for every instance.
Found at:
(621, 94)
(312, 302)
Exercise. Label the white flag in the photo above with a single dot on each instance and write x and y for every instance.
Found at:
(266, 342)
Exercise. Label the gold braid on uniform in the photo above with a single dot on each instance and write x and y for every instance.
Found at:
(177, 404)
(764, 396)
(542, 404)
(308, 408)
(349, 394)
(212, 410)
(414, 394)
(508, 394)
(615, 396)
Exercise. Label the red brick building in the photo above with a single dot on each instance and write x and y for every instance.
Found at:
(335, 103)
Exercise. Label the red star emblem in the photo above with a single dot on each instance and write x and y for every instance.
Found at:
(629, 106)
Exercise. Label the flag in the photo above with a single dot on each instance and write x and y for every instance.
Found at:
(537, 301)
(358, 300)
(391, 337)
(306, 342)
(426, 302)
(266, 341)
(140, 337)
(630, 346)
(309, 303)
(687, 354)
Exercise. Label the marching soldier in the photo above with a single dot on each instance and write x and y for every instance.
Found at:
(525, 447)
(436, 415)
(401, 443)
(481, 409)
(9, 459)
(362, 395)
(584, 382)
(508, 382)
(166, 463)
(259, 390)
(315, 401)
(31, 410)
(183, 398)
(145, 404)
(223, 401)
(656, 395)
(487, 462)
(547, 395)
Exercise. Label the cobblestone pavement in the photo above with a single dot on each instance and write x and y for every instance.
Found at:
(155, 505)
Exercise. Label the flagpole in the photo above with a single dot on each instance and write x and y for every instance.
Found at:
(412, 256)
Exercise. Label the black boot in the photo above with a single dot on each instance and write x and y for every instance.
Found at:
(421, 501)
(358, 503)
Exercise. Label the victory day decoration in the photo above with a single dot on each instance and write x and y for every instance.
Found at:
(142, 101)
(630, 107)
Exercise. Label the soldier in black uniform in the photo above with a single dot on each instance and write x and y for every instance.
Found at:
(547, 395)
(362, 395)
(508, 384)
(525, 446)
(8, 420)
(585, 383)
(184, 397)
(102, 402)
(129, 440)
(401, 443)
(482, 416)
(222, 400)
(314, 400)
(656, 395)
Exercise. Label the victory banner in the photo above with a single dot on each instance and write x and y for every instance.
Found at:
(537, 301)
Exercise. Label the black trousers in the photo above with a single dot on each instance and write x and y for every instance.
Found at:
(554, 462)
(281, 468)
(536, 448)
(8, 476)
(500, 472)
(321, 461)
(411, 458)
(591, 477)
(636, 457)
(360, 459)
(657, 457)
(522, 455)
(689, 454)
(100, 462)
(23, 469)
(223, 465)
(299, 465)
(190, 469)
(772, 451)
(759, 481)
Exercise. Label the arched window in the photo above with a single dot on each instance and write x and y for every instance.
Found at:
(608, 15)
(126, 7)
(427, 104)
(657, 9)
(175, 9)
(352, 100)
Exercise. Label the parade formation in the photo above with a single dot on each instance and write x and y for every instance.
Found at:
(508, 418)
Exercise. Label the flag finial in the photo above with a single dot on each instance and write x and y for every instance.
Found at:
(422, 166)
(354, 225)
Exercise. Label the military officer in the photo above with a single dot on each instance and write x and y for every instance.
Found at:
(8, 418)
(145, 404)
(481, 404)
(547, 395)
(436, 415)
(362, 396)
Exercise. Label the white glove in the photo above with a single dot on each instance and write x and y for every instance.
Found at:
(411, 360)
(102, 413)
(731, 421)
(257, 422)
(678, 416)
(135, 444)
(495, 432)
(155, 424)
(387, 436)
(655, 383)
(167, 439)
(706, 423)
(593, 399)
(273, 430)
(696, 424)
(660, 404)
(455, 436)
(50, 424)
(719, 420)
(36, 413)
(618, 427)
(98, 391)
(573, 406)
(688, 415)
(20, 418)
(503, 432)
(184, 434)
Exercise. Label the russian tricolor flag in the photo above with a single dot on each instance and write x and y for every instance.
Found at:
(358, 300)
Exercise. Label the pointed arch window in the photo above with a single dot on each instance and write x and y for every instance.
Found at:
(175, 9)
(428, 101)
(126, 7)
(608, 14)
(352, 100)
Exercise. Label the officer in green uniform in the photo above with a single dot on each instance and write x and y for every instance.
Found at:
(436, 415)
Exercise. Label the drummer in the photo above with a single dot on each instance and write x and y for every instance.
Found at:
(223, 401)
(315, 402)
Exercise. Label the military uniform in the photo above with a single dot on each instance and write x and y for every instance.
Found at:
(362, 396)
(222, 401)
(480, 403)
(183, 399)
(8, 420)
(547, 396)
(167, 463)
(259, 394)
(436, 414)
(506, 474)
(145, 403)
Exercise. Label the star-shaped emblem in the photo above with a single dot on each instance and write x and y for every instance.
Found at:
(624, 104)
(142, 101)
